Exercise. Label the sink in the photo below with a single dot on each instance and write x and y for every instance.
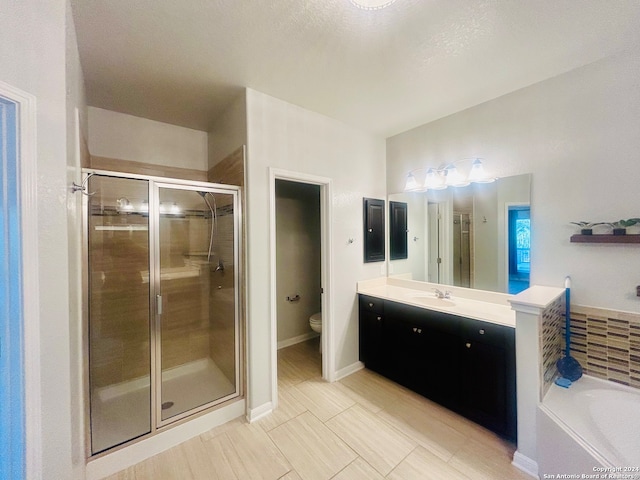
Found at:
(431, 301)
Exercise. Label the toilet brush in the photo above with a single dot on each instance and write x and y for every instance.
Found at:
(568, 366)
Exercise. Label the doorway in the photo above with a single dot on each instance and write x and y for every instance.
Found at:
(300, 268)
(519, 242)
(12, 437)
(20, 379)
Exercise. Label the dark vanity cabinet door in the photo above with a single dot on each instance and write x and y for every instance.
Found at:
(488, 367)
(373, 230)
(463, 364)
(371, 339)
(424, 351)
(398, 230)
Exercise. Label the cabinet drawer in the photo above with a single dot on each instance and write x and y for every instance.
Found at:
(371, 304)
(489, 333)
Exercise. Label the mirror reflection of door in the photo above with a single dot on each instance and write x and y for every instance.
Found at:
(461, 249)
(519, 248)
(435, 259)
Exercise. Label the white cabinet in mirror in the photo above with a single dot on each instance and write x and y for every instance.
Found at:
(475, 236)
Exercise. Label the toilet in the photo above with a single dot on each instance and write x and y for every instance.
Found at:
(315, 322)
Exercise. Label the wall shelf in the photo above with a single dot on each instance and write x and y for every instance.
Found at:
(634, 238)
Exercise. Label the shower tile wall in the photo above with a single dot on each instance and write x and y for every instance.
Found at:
(120, 317)
(222, 299)
(607, 344)
(123, 320)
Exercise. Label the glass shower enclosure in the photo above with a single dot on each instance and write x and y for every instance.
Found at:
(162, 274)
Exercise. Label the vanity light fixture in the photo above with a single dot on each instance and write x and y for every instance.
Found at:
(372, 4)
(453, 178)
(477, 173)
(170, 208)
(124, 205)
(446, 176)
(434, 180)
(411, 185)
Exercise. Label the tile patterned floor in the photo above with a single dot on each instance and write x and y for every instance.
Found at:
(363, 427)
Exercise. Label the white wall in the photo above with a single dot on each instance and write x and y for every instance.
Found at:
(577, 134)
(229, 132)
(288, 137)
(76, 135)
(32, 58)
(125, 137)
(298, 257)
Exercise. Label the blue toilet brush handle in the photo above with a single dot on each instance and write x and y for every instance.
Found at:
(567, 315)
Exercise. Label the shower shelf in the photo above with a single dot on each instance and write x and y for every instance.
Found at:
(629, 238)
(122, 228)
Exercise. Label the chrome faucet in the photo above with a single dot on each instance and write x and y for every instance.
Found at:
(441, 294)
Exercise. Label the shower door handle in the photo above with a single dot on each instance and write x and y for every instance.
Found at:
(159, 304)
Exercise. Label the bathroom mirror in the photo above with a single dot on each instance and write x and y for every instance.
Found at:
(475, 236)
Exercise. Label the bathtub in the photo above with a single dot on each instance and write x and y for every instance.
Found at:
(591, 429)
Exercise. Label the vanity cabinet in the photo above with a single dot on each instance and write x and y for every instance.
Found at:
(371, 341)
(464, 364)
(488, 361)
(422, 346)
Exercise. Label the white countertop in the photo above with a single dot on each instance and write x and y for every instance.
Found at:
(480, 305)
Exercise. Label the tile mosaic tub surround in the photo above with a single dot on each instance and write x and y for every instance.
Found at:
(552, 342)
(605, 342)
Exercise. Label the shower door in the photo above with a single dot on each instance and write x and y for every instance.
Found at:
(119, 318)
(196, 303)
(163, 310)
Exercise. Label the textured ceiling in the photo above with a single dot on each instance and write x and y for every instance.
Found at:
(386, 71)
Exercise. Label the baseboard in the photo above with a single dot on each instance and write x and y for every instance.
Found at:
(346, 371)
(524, 463)
(257, 413)
(299, 339)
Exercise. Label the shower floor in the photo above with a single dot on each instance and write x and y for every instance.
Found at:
(123, 412)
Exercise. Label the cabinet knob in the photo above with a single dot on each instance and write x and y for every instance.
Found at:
(370, 305)
(468, 345)
(379, 318)
(370, 230)
(481, 331)
(419, 330)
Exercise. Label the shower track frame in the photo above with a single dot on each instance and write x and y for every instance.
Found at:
(155, 183)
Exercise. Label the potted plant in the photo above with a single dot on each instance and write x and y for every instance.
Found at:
(620, 227)
(586, 228)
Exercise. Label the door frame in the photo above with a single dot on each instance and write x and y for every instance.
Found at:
(26, 184)
(328, 360)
